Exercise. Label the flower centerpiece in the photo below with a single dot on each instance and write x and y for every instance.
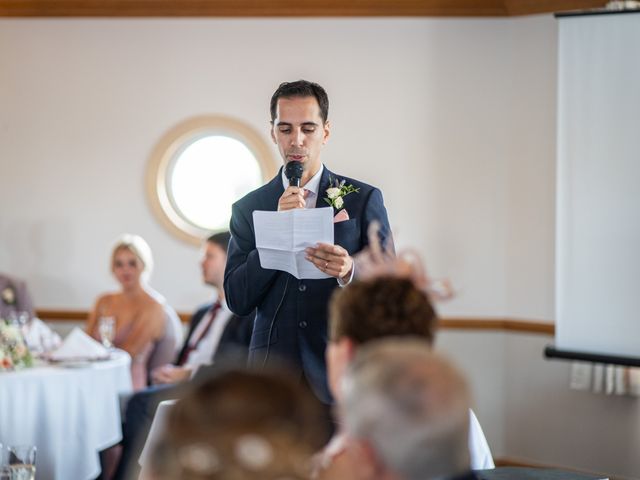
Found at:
(337, 191)
(14, 353)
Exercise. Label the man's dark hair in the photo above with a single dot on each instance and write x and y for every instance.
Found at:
(221, 239)
(382, 307)
(301, 88)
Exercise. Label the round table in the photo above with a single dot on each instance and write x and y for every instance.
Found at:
(68, 411)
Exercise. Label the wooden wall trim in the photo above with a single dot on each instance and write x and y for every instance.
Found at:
(287, 8)
(449, 323)
(51, 315)
(530, 7)
(504, 324)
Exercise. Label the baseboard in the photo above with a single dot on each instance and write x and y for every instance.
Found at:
(518, 462)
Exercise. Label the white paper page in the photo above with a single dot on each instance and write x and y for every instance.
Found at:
(281, 238)
(273, 230)
(311, 226)
(278, 260)
(306, 269)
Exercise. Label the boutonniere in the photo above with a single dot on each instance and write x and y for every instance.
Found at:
(337, 192)
(8, 296)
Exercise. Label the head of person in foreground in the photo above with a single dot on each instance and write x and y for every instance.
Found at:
(372, 309)
(406, 410)
(240, 425)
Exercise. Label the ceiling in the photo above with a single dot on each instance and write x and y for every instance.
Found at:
(287, 8)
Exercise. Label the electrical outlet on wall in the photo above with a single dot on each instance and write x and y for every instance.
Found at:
(581, 375)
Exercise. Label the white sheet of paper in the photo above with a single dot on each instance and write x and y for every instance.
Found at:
(281, 238)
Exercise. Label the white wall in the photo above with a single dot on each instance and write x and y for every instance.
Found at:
(557, 426)
(529, 413)
(453, 118)
(429, 110)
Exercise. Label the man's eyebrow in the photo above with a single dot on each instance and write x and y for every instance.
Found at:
(304, 124)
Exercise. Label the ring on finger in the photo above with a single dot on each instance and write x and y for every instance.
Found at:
(326, 265)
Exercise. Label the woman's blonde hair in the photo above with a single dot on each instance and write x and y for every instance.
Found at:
(139, 247)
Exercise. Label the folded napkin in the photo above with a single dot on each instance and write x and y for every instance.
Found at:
(39, 337)
(79, 346)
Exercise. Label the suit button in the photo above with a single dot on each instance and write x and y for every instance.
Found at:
(302, 324)
(302, 287)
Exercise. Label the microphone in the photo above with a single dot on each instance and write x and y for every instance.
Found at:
(293, 171)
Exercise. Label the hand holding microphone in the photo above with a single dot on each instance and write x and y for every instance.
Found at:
(293, 196)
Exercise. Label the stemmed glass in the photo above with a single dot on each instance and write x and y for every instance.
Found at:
(22, 320)
(5, 472)
(107, 331)
(22, 462)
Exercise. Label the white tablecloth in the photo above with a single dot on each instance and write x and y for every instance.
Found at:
(68, 413)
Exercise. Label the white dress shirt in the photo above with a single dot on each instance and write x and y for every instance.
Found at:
(312, 186)
(203, 353)
(479, 451)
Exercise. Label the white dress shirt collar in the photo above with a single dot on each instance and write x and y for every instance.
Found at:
(313, 185)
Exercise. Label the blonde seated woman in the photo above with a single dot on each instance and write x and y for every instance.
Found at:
(140, 313)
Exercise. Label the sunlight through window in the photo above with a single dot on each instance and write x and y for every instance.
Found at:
(208, 176)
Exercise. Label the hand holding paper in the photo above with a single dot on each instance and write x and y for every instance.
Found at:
(331, 259)
(282, 237)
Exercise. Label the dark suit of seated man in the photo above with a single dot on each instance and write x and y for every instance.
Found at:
(214, 334)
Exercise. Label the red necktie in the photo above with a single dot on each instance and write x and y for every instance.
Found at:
(192, 345)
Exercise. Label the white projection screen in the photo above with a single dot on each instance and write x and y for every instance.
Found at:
(598, 189)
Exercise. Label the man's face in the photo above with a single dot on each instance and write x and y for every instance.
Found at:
(299, 132)
(214, 259)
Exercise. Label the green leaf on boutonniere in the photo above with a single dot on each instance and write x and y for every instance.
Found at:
(337, 191)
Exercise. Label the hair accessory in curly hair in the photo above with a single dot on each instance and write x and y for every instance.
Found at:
(376, 261)
(253, 452)
(199, 458)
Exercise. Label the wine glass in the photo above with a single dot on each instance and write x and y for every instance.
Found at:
(107, 331)
(5, 472)
(22, 462)
(24, 323)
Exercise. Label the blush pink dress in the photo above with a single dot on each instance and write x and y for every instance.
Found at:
(139, 372)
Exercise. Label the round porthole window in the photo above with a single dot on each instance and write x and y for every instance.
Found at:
(200, 168)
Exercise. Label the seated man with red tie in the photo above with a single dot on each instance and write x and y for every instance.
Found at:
(214, 334)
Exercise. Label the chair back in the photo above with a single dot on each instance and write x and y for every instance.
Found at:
(167, 347)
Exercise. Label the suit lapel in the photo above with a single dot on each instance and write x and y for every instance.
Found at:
(327, 177)
(275, 190)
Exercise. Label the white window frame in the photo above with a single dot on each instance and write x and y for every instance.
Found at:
(173, 142)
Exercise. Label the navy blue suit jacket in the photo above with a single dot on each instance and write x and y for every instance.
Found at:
(291, 317)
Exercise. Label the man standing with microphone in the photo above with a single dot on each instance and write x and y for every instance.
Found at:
(291, 318)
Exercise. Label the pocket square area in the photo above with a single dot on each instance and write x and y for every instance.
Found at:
(341, 216)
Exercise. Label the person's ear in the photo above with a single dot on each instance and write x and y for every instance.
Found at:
(349, 347)
(326, 132)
